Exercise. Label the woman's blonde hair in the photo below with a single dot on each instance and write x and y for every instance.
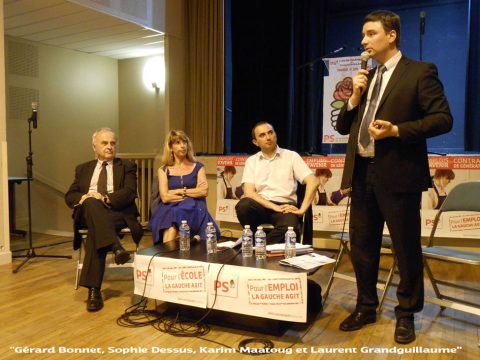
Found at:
(172, 137)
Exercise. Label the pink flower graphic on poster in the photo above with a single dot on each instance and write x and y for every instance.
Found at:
(343, 91)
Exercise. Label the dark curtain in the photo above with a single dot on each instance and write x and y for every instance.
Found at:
(272, 42)
(260, 68)
(472, 111)
(277, 74)
(307, 46)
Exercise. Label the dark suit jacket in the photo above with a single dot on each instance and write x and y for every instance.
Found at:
(414, 101)
(122, 199)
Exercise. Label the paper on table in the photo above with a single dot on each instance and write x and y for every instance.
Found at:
(281, 247)
(307, 262)
(229, 244)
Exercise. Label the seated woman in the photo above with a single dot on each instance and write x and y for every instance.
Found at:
(183, 189)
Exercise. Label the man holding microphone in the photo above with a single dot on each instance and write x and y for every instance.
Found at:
(393, 109)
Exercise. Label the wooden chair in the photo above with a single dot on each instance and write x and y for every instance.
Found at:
(464, 197)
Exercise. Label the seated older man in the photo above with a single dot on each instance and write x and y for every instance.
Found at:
(102, 196)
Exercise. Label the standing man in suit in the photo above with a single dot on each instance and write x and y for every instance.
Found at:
(103, 200)
(393, 109)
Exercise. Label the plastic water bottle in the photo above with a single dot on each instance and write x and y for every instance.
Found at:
(247, 242)
(290, 241)
(184, 236)
(260, 244)
(211, 235)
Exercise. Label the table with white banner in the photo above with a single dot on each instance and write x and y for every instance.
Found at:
(332, 216)
(224, 281)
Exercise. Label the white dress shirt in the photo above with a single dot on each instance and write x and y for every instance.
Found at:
(276, 179)
(390, 65)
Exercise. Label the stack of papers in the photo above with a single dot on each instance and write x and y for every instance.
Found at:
(279, 249)
(307, 262)
(228, 244)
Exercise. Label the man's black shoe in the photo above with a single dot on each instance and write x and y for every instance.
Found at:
(94, 300)
(405, 330)
(121, 255)
(357, 320)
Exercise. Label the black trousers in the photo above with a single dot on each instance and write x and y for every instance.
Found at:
(103, 225)
(250, 212)
(371, 207)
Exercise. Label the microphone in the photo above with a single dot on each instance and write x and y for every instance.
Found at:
(336, 51)
(34, 114)
(423, 15)
(363, 65)
(341, 48)
(364, 56)
(314, 61)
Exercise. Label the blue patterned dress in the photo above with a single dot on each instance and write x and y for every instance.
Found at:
(194, 210)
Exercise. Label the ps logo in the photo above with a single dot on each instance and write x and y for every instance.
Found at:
(144, 276)
(223, 209)
(226, 287)
(317, 218)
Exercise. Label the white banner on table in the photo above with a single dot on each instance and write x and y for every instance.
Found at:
(170, 280)
(258, 292)
(337, 89)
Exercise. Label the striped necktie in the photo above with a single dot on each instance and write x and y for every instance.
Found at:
(364, 139)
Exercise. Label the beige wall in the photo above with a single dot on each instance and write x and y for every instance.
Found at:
(147, 115)
(141, 108)
(78, 93)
